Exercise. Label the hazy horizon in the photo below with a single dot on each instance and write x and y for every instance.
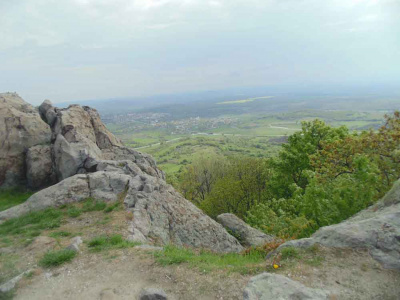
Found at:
(86, 49)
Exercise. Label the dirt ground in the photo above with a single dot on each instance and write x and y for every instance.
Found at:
(123, 273)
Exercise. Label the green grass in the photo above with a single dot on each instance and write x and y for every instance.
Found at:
(31, 224)
(56, 258)
(115, 241)
(9, 269)
(7, 295)
(290, 252)
(111, 207)
(10, 198)
(207, 261)
(58, 234)
(93, 205)
(74, 212)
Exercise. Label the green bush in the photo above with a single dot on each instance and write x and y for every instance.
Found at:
(56, 258)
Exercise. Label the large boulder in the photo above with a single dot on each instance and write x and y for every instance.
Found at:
(268, 286)
(247, 235)
(376, 229)
(20, 128)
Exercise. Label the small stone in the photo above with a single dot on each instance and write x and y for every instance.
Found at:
(153, 294)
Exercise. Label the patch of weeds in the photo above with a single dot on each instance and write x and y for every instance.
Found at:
(93, 205)
(246, 263)
(105, 220)
(56, 258)
(29, 275)
(74, 212)
(12, 197)
(290, 252)
(115, 241)
(7, 295)
(6, 241)
(31, 224)
(58, 234)
(314, 249)
(315, 261)
(112, 207)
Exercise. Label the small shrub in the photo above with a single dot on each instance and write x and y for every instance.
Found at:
(56, 258)
(74, 212)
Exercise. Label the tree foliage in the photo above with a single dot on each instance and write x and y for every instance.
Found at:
(322, 176)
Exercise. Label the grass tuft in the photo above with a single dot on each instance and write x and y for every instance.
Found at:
(247, 263)
(290, 252)
(12, 197)
(74, 212)
(115, 241)
(31, 224)
(93, 205)
(56, 258)
(57, 234)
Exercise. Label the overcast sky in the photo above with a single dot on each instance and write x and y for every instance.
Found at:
(92, 49)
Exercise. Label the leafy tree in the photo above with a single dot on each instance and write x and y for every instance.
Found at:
(293, 161)
(242, 186)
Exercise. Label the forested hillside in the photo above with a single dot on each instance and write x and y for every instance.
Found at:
(321, 176)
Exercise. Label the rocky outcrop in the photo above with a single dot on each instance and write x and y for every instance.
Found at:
(268, 286)
(376, 229)
(89, 162)
(160, 214)
(247, 235)
(20, 128)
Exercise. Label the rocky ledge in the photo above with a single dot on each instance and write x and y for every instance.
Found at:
(71, 152)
